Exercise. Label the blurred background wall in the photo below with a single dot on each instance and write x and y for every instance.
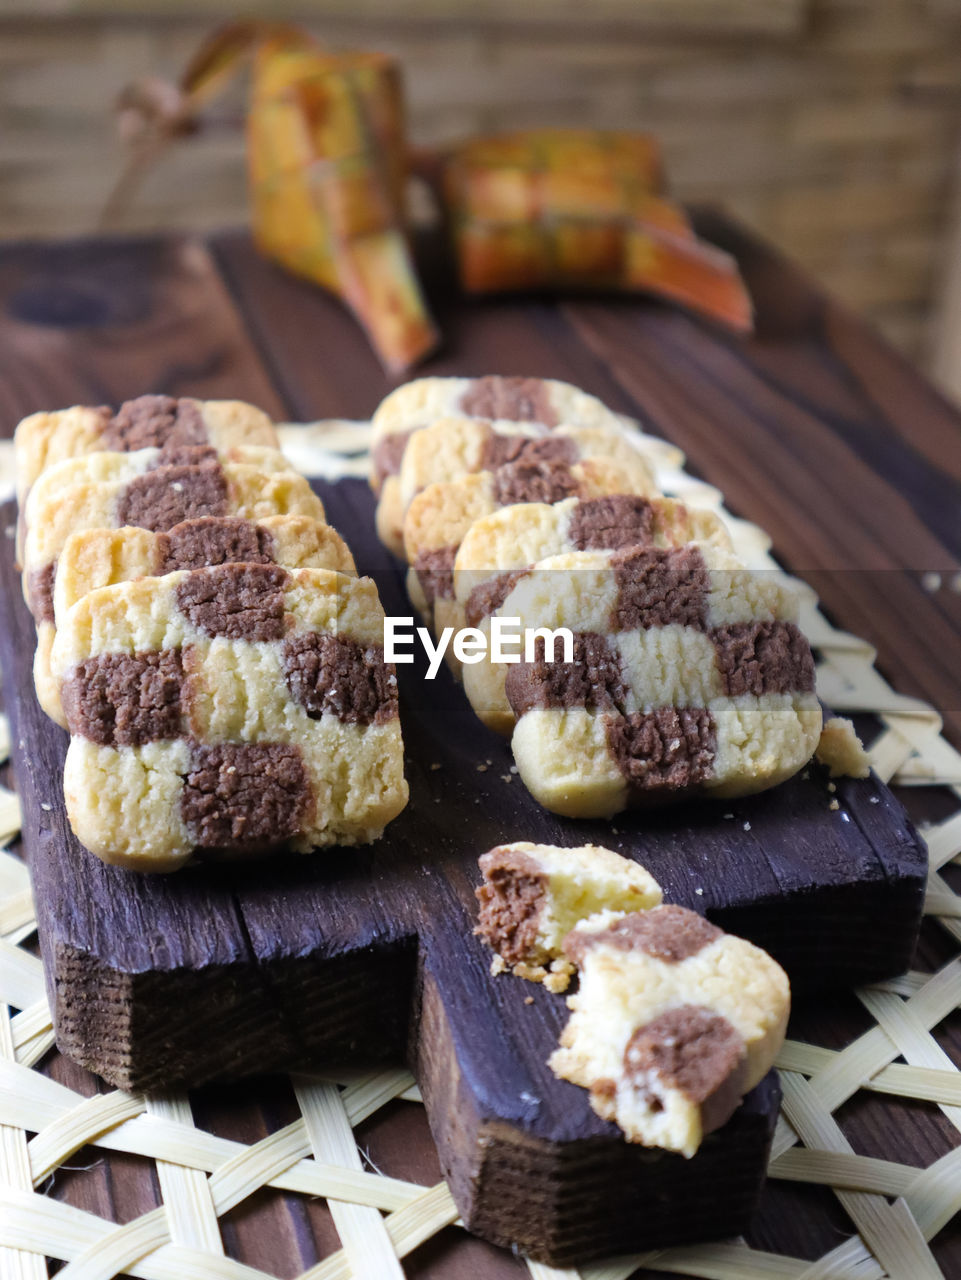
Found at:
(830, 126)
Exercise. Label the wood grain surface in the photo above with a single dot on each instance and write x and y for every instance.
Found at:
(102, 322)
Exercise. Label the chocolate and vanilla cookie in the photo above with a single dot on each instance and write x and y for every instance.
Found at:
(156, 500)
(500, 401)
(455, 447)
(533, 895)
(231, 710)
(93, 558)
(687, 674)
(672, 1024)
(149, 422)
(439, 518)
(501, 549)
(120, 468)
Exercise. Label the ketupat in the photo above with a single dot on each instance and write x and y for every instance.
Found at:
(565, 208)
(326, 158)
(327, 168)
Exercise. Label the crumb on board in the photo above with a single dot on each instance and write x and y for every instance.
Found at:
(529, 972)
(841, 750)
(834, 805)
(528, 999)
(435, 766)
(481, 768)
(931, 581)
(832, 787)
(506, 777)
(747, 826)
(559, 978)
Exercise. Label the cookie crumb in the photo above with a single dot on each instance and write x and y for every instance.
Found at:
(434, 767)
(46, 807)
(729, 817)
(874, 799)
(931, 582)
(832, 787)
(834, 805)
(482, 768)
(529, 972)
(747, 826)
(498, 965)
(840, 748)
(699, 891)
(528, 999)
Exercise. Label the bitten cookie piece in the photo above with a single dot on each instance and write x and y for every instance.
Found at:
(148, 422)
(439, 518)
(672, 1024)
(500, 401)
(534, 894)
(156, 500)
(233, 710)
(500, 550)
(688, 676)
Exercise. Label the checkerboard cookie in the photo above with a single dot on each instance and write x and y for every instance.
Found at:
(147, 422)
(439, 518)
(230, 710)
(453, 447)
(689, 676)
(672, 1024)
(156, 500)
(499, 551)
(93, 558)
(533, 895)
(121, 468)
(499, 401)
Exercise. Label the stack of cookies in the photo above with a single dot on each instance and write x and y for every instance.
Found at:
(526, 500)
(203, 636)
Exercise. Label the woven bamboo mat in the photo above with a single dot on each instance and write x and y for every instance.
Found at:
(896, 1208)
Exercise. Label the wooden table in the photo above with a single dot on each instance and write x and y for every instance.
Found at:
(813, 429)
